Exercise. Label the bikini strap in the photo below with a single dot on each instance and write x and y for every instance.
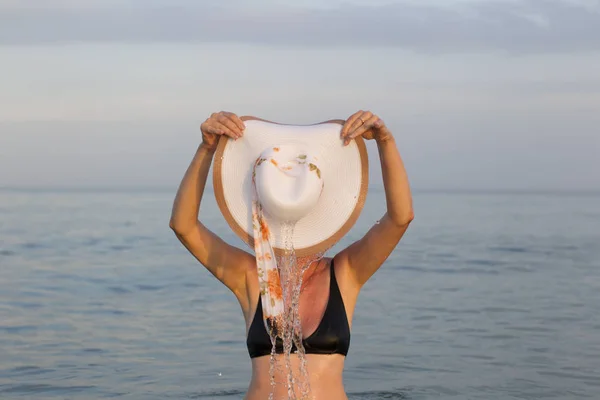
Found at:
(332, 279)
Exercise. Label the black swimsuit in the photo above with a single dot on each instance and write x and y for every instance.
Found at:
(332, 336)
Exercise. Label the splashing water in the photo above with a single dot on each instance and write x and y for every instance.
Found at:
(289, 329)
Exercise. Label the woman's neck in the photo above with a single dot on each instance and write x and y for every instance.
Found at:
(312, 269)
(315, 264)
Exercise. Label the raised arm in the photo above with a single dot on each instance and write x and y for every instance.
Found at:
(227, 263)
(365, 256)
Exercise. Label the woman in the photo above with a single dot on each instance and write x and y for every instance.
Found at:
(330, 285)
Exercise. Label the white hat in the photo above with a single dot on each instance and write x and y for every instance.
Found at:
(323, 201)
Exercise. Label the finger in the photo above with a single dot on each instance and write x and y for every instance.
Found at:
(226, 121)
(207, 126)
(236, 120)
(350, 121)
(369, 124)
(211, 129)
(224, 130)
(216, 118)
(359, 122)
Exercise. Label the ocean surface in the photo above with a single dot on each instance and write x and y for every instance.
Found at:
(488, 296)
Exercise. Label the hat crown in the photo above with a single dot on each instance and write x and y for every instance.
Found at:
(288, 182)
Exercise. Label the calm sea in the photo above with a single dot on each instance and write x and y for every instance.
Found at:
(489, 296)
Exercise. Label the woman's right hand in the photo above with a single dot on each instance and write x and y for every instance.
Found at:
(221, 123)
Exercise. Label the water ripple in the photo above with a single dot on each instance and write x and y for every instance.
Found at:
(38, 389)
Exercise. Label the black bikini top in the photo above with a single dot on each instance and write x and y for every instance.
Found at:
(332, 336)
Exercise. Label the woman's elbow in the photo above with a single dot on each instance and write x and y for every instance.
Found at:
(183, 228)
(177, 227)
(404, 219)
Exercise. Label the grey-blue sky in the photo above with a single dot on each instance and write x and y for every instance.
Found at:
(488, 94)
(521, 26)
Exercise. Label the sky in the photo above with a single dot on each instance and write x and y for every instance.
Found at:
(488, 94)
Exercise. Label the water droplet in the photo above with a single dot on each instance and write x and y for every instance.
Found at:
(291, 272)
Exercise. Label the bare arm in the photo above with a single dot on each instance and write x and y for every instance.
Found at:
(227, 263)
(365, 256)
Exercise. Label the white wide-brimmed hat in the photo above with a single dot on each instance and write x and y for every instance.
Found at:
(323, 200)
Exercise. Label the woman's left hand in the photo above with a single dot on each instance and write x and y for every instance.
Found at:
(365, 124)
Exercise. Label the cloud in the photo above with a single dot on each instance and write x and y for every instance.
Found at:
(538, 26)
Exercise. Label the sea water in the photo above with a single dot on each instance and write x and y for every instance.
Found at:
(488, 296)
